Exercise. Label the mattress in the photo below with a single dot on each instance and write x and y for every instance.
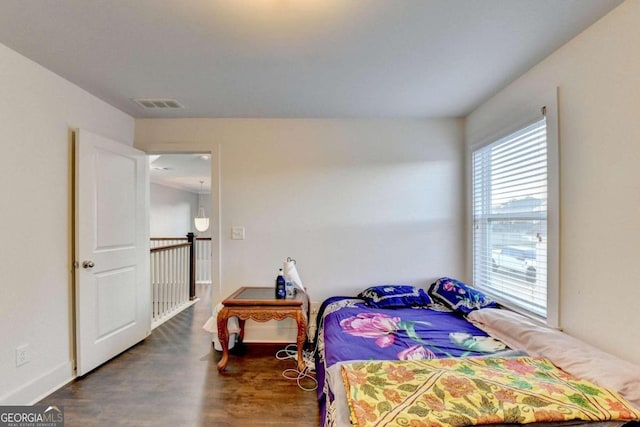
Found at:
(351, 331)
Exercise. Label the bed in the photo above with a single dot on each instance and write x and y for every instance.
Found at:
(400, 355)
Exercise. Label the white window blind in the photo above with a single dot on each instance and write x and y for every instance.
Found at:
(509, 197)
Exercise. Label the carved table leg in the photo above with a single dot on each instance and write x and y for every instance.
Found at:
(223, 337)
(301, 339)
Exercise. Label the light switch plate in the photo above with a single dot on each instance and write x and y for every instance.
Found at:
(237, 233)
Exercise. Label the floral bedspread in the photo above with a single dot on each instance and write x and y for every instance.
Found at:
(349, 330)
(469, 391)
(353, 331)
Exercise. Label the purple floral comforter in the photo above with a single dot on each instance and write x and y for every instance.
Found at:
(350, 330)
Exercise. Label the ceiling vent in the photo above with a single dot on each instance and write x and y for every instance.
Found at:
(158, 104)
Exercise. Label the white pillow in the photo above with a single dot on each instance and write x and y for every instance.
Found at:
(566, 352)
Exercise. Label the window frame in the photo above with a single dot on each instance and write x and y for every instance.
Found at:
(525, 116)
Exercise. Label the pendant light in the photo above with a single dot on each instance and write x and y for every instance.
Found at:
(201, 220)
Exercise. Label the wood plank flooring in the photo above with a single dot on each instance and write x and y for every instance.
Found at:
(171, 379)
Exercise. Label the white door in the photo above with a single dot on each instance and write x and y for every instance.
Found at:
(113, 301)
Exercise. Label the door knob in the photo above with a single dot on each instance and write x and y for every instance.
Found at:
(87, 264)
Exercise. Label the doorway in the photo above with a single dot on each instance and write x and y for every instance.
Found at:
(181, 245)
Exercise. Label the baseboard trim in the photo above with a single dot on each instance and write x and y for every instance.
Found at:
(39, 388)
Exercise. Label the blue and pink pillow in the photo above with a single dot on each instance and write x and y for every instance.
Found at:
(395, 296)
(458, 297)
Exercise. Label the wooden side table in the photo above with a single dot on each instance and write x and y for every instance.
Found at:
(261, 305)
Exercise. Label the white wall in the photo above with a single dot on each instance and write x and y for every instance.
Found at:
(598, 75)
(38, 110)
(172, 211)
(356, 202)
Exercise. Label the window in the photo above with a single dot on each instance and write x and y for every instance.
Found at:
(510, 211)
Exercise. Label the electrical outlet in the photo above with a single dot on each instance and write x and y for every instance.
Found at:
(23, 355)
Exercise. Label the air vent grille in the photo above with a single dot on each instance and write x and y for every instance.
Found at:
(158, 103)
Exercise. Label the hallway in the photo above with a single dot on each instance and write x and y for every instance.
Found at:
(170, 379)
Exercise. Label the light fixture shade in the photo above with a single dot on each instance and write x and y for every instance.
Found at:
(201, 221)
(202, 224)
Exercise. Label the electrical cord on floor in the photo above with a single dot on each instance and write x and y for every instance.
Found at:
(291, 352)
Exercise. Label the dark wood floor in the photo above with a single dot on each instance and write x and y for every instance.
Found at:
(171, 379)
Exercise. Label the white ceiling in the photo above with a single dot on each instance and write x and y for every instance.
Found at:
(182, 171)
(294, 58)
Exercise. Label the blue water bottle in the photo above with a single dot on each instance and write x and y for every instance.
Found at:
(281, 289)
